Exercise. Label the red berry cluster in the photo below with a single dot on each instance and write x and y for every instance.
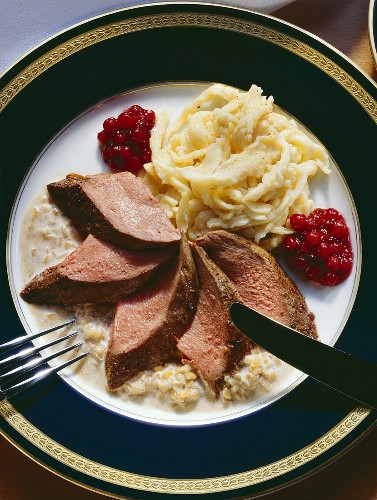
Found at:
(321, 246)
(124, 141)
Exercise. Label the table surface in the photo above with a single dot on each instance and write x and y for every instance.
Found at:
(343, 24)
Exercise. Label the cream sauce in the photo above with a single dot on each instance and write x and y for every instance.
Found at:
(46, 238)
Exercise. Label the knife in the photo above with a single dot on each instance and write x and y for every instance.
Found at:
(335, 368)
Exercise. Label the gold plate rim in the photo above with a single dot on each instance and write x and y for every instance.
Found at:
(180, 486)
(153, 21)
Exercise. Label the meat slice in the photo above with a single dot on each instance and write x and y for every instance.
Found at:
(261, 282)
(147, 325)
(96, 271)
(213, 344)
(117, 208)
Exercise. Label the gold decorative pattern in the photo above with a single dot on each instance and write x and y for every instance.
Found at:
(163, 485)
(189, 19)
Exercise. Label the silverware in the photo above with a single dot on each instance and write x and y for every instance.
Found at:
(337, 369)
(11, 373)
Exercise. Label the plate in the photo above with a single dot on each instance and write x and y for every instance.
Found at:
(372, 24)
(74, 149)
(108, 56)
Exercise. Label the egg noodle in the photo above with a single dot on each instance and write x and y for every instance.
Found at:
(231, 161)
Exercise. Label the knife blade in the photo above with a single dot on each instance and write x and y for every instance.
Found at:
(345, 373)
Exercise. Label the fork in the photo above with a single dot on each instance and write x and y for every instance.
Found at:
(10, 372)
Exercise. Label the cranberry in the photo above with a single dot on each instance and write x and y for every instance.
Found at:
(346, 264)
(149, 119)
(301, 263)
(146, 124)
(329, 279)
(314, 222)
(333, 263)
(340, 230)
(116, 164)
(323, 233)
(304, 247)
(291, 242)
(329, 237)
(331, 214)
(110, 124)
(102, 137)
(319, 211)
(150, 114)
(114, 151)
(139, 135)
(324, 250)
(126, 120)
(133, 163)
(146, 156)
(337, 248)
(124, 151)
(106, 153)
(313, 273)
(124, 141)
(329, 225)
(347, 244)
(119, 137)
(136, 110)
(313, 237)
(321, 246)
(298, 221)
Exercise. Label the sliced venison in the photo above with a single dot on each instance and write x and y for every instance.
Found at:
(213, 344)
(96, 272)
(147, 325)
(117, 208)
(261, 282)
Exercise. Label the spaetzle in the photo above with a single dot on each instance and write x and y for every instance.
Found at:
(232, 161)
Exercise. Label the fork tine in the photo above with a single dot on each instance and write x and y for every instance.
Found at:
(12, 391)
(27, 353)
(26, 338)
(34, 363)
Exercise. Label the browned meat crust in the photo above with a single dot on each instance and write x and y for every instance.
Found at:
(96, 272)
(147, 325)
(117, 208)
(261, 282)
(181, 309)
(212, 344)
